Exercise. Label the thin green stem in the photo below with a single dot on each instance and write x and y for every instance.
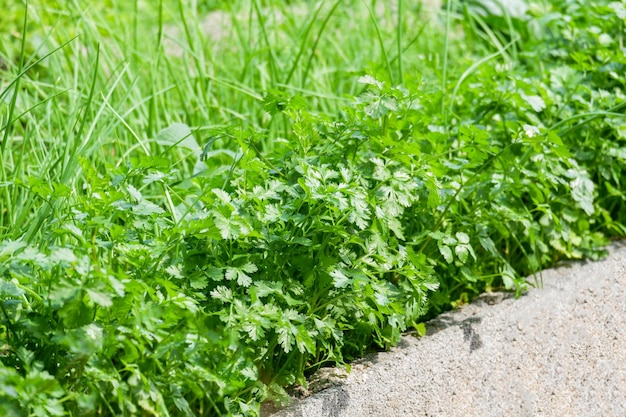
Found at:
(446, 46)
(399, 35)
(381, 43)
(309, 62)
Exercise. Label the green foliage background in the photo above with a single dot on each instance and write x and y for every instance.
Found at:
(191, 231)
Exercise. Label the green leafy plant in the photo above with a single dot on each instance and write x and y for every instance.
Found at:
(181, 235)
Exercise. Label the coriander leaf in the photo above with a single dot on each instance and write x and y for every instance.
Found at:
(178, 134)
(101, 298)
(535, 102)
(9, 247)
(462, 252)
(446, 252)
(147, 208)
(199, 282)
(228, 228)
(340, 280)
(249, 268)
(462, 237)
(134, 193)
(582, 190)
(223, 294)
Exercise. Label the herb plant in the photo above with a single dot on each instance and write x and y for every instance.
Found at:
(187, 235)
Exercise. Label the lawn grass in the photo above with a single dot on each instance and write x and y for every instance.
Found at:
(201, 203)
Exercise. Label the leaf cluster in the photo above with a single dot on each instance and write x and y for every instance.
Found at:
(214, 268)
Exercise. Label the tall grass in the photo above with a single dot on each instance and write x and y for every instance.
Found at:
(99, 80)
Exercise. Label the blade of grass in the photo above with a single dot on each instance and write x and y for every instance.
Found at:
(588, 118)
(381, 44)
(98, 116)
(444, 75)
(130, 130)
(471, 70)
(20, 66)
(196, 54)
(492, 37)
(309, 62)
(410, 43)
(305, 37)
(399, 43)
(272, 56)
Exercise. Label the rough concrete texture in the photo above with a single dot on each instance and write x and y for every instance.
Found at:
(557, 351)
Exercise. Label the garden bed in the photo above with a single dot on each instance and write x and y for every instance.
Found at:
(195, 233)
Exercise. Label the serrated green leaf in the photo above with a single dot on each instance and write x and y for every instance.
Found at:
(154, 177)
(396, 227)
(223, 294)
(381, 298)
(436, 235)
(230, 273)
(228, 229)
(242, 278)
(249, 268)
(9, 289)
(216, 274)
(304, 241)
(446, 252)
(535, 102)
(178, 134)
(582, 189)
(264, 288)
(101, 298)
(461, 252)
(508, 280)
(369, 80)
(63, 255)
(488, 245)
(420, 328)
(222, 195)
(183, 406)
(340, 280)
(462, 237)
(147, 208)
(175, 271)
(134, 193)
(118, 286)
(9, 247)
(304, 341)
(285, 338)
(199, 282)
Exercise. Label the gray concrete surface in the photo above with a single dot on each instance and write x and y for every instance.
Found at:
(557, 351)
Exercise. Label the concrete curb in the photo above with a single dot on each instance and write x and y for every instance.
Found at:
(557, 351)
